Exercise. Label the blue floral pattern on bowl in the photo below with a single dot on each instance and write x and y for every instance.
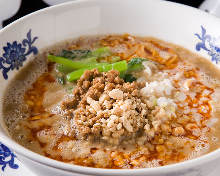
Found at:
(7, 158)
(208, 43)
(16, 53)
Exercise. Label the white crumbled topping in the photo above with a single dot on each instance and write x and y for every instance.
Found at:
(156, 124)
(168, 105)
(147, 127)
(127, 124)
(119, 126)
(178, 131)
(152, 101)
(126, 105)
(89, 100)
(116, 94)
(180, 96)
(164, 102)
(94, 104)
(147, 69)
(103, 97)
(150, 64)
(158, 88)
(112, 120)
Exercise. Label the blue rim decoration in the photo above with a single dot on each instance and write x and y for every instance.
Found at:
(208, 43)
(16, 53)
(7, 158)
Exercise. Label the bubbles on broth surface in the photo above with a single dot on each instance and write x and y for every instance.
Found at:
(214, 139)
(14, 108)
(153, 163)
(208, 79)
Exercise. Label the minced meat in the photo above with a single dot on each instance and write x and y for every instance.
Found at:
(105, 107)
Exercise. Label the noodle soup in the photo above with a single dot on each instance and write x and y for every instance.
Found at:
(116, 101)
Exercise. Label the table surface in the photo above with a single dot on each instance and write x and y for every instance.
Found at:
(29, 6)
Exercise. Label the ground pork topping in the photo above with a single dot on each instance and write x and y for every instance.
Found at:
(105, 107)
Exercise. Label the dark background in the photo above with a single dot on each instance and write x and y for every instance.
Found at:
(28, 6)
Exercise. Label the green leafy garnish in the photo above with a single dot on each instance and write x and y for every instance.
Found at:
(74, 63)
(72, 54)
(91, 59)
(135, 64)
(61, 80)
(120, 66)
(97, 53)
(63, 69)
(101, 52)
(69, 63)
(129, 78)
(115, 59)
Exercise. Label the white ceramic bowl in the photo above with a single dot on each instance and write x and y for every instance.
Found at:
(168, 21)
(54, 2)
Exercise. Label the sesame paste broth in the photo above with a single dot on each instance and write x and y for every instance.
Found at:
(169, 114)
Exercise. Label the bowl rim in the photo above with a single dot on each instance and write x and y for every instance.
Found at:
(100, 171)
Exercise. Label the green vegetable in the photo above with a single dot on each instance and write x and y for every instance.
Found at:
(72, 54)
(115, 59)
(69, 63)
(120, 66)
(135, 64)
(101, 52)
(63, 69)
(61, 80)
(129, 78)
(65, 63)
(67, 69)
(89, 60)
